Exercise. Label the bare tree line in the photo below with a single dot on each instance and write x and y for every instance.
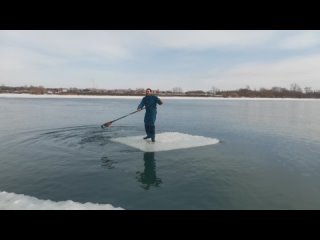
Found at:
(295, 91)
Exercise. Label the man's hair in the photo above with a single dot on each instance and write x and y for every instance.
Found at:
(149, 89)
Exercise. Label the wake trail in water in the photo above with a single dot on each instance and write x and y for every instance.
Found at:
(70, 137)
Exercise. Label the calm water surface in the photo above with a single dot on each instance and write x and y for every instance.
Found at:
(268, 158)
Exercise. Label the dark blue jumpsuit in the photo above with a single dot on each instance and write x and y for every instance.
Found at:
(150, 102)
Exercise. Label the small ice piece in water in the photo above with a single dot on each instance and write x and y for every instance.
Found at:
(13, 201)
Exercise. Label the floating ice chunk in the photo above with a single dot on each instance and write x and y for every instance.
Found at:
(166, 141)
(12, 201)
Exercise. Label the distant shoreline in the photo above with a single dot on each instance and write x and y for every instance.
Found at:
(52, 96)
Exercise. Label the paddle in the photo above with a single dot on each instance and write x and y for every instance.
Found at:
(108, 124)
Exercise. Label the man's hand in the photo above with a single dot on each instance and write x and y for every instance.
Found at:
(139, 109)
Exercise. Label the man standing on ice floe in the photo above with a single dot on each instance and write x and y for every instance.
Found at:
(150, 102)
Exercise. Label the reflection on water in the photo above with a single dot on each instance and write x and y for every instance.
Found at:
(148, 177)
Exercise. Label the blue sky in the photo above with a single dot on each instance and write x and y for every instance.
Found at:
(192, 60)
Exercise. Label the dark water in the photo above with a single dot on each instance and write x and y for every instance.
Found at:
(268, 158)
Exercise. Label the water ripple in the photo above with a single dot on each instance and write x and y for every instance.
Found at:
(66, 137)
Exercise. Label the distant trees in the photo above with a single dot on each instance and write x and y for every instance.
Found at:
(177, 90)
(214, 90)
(308, 90)
(295, 91)
(25, 89)
(295, 88)
(37, 90)
(275, 92)
(196, 93)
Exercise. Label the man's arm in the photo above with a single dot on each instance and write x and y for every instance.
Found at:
(141, 105)
(159, 101)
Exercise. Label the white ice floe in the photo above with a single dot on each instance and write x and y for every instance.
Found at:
(12, 201)
(166, 141)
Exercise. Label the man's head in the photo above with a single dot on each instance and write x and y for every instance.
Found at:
(148, 91)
